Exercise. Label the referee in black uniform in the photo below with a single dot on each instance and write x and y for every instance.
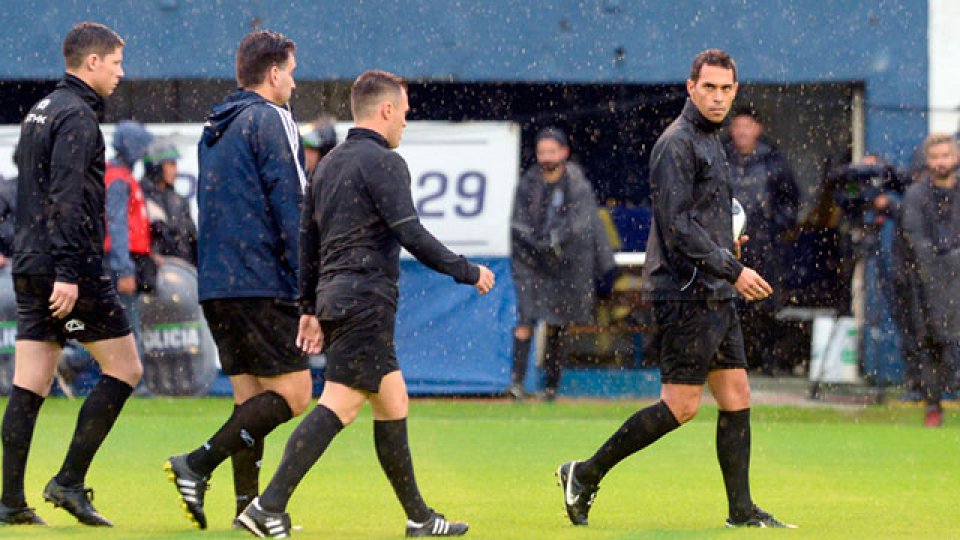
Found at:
(693, 279)
(357, 213)
(61, 288)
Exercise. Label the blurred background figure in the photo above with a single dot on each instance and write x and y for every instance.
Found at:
(558, 249)
(172, 230)
(930, 217)
(128, 227)
(8, 206)
(319, 138)
(764, 184)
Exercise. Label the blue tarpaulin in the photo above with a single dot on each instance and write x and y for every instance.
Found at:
(451, 340)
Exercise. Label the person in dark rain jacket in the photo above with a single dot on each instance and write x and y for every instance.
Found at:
(767, 190)
(558, 250)
(58, 267)
(693, 278)
(930, 221)
(357, 214)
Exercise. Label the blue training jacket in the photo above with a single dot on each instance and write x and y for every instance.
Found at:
(251, 185)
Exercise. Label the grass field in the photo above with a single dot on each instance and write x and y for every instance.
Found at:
(851, 473)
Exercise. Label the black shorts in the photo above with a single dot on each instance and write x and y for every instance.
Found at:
(360, 349)
(96, 316)
(255, 336)
(694, 338)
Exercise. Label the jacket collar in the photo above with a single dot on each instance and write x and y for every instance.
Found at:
(364, 133)
(692, 115)
(82, 89)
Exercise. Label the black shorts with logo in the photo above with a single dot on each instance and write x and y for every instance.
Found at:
(360, 349)
(696, 337)
(255, 336)
(96, 316)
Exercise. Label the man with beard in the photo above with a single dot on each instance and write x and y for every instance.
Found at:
(930, 218)
(558, 248)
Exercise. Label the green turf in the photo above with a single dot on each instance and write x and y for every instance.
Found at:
(862, 473)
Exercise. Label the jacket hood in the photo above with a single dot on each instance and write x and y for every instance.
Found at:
(131, 140)
(224, 113)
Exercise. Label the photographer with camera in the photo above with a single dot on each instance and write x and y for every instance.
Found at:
(869, 193)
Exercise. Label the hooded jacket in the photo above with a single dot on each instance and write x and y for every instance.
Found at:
(558, 247)
(60, 195)
(689, 250)
(250, 188)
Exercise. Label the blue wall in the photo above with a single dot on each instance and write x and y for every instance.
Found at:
(883, 44)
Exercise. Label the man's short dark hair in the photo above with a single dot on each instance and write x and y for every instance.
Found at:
(370, 88)
(88, 38)
(258, 52)
(712, 57)
(746, 110)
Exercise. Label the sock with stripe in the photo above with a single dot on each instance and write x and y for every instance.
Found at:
(251, 421)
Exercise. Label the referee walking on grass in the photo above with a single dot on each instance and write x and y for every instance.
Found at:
(693, 279)
(358, 212)
(251, 180)
(59, 279)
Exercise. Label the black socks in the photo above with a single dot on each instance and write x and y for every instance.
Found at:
(521, 353)
(249, 423)
(246, 472)
(96, 418)
(18, 422)
(639, 431)
(733, 453)
(304, 447)
(393, 451)
(552, 357)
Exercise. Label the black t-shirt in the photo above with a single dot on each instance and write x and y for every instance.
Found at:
(358, 211)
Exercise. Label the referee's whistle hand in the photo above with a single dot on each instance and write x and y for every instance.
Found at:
(751, 286)
(63, 298)
(309, 335)
(486, 281)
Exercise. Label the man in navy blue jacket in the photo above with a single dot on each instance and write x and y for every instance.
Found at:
(251, 185)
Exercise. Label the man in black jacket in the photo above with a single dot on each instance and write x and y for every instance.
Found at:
(693, 278)
(765, 186)
(357, 213)
(62, 291)
(930, 220)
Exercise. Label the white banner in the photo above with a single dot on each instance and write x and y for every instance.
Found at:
(463, 176)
